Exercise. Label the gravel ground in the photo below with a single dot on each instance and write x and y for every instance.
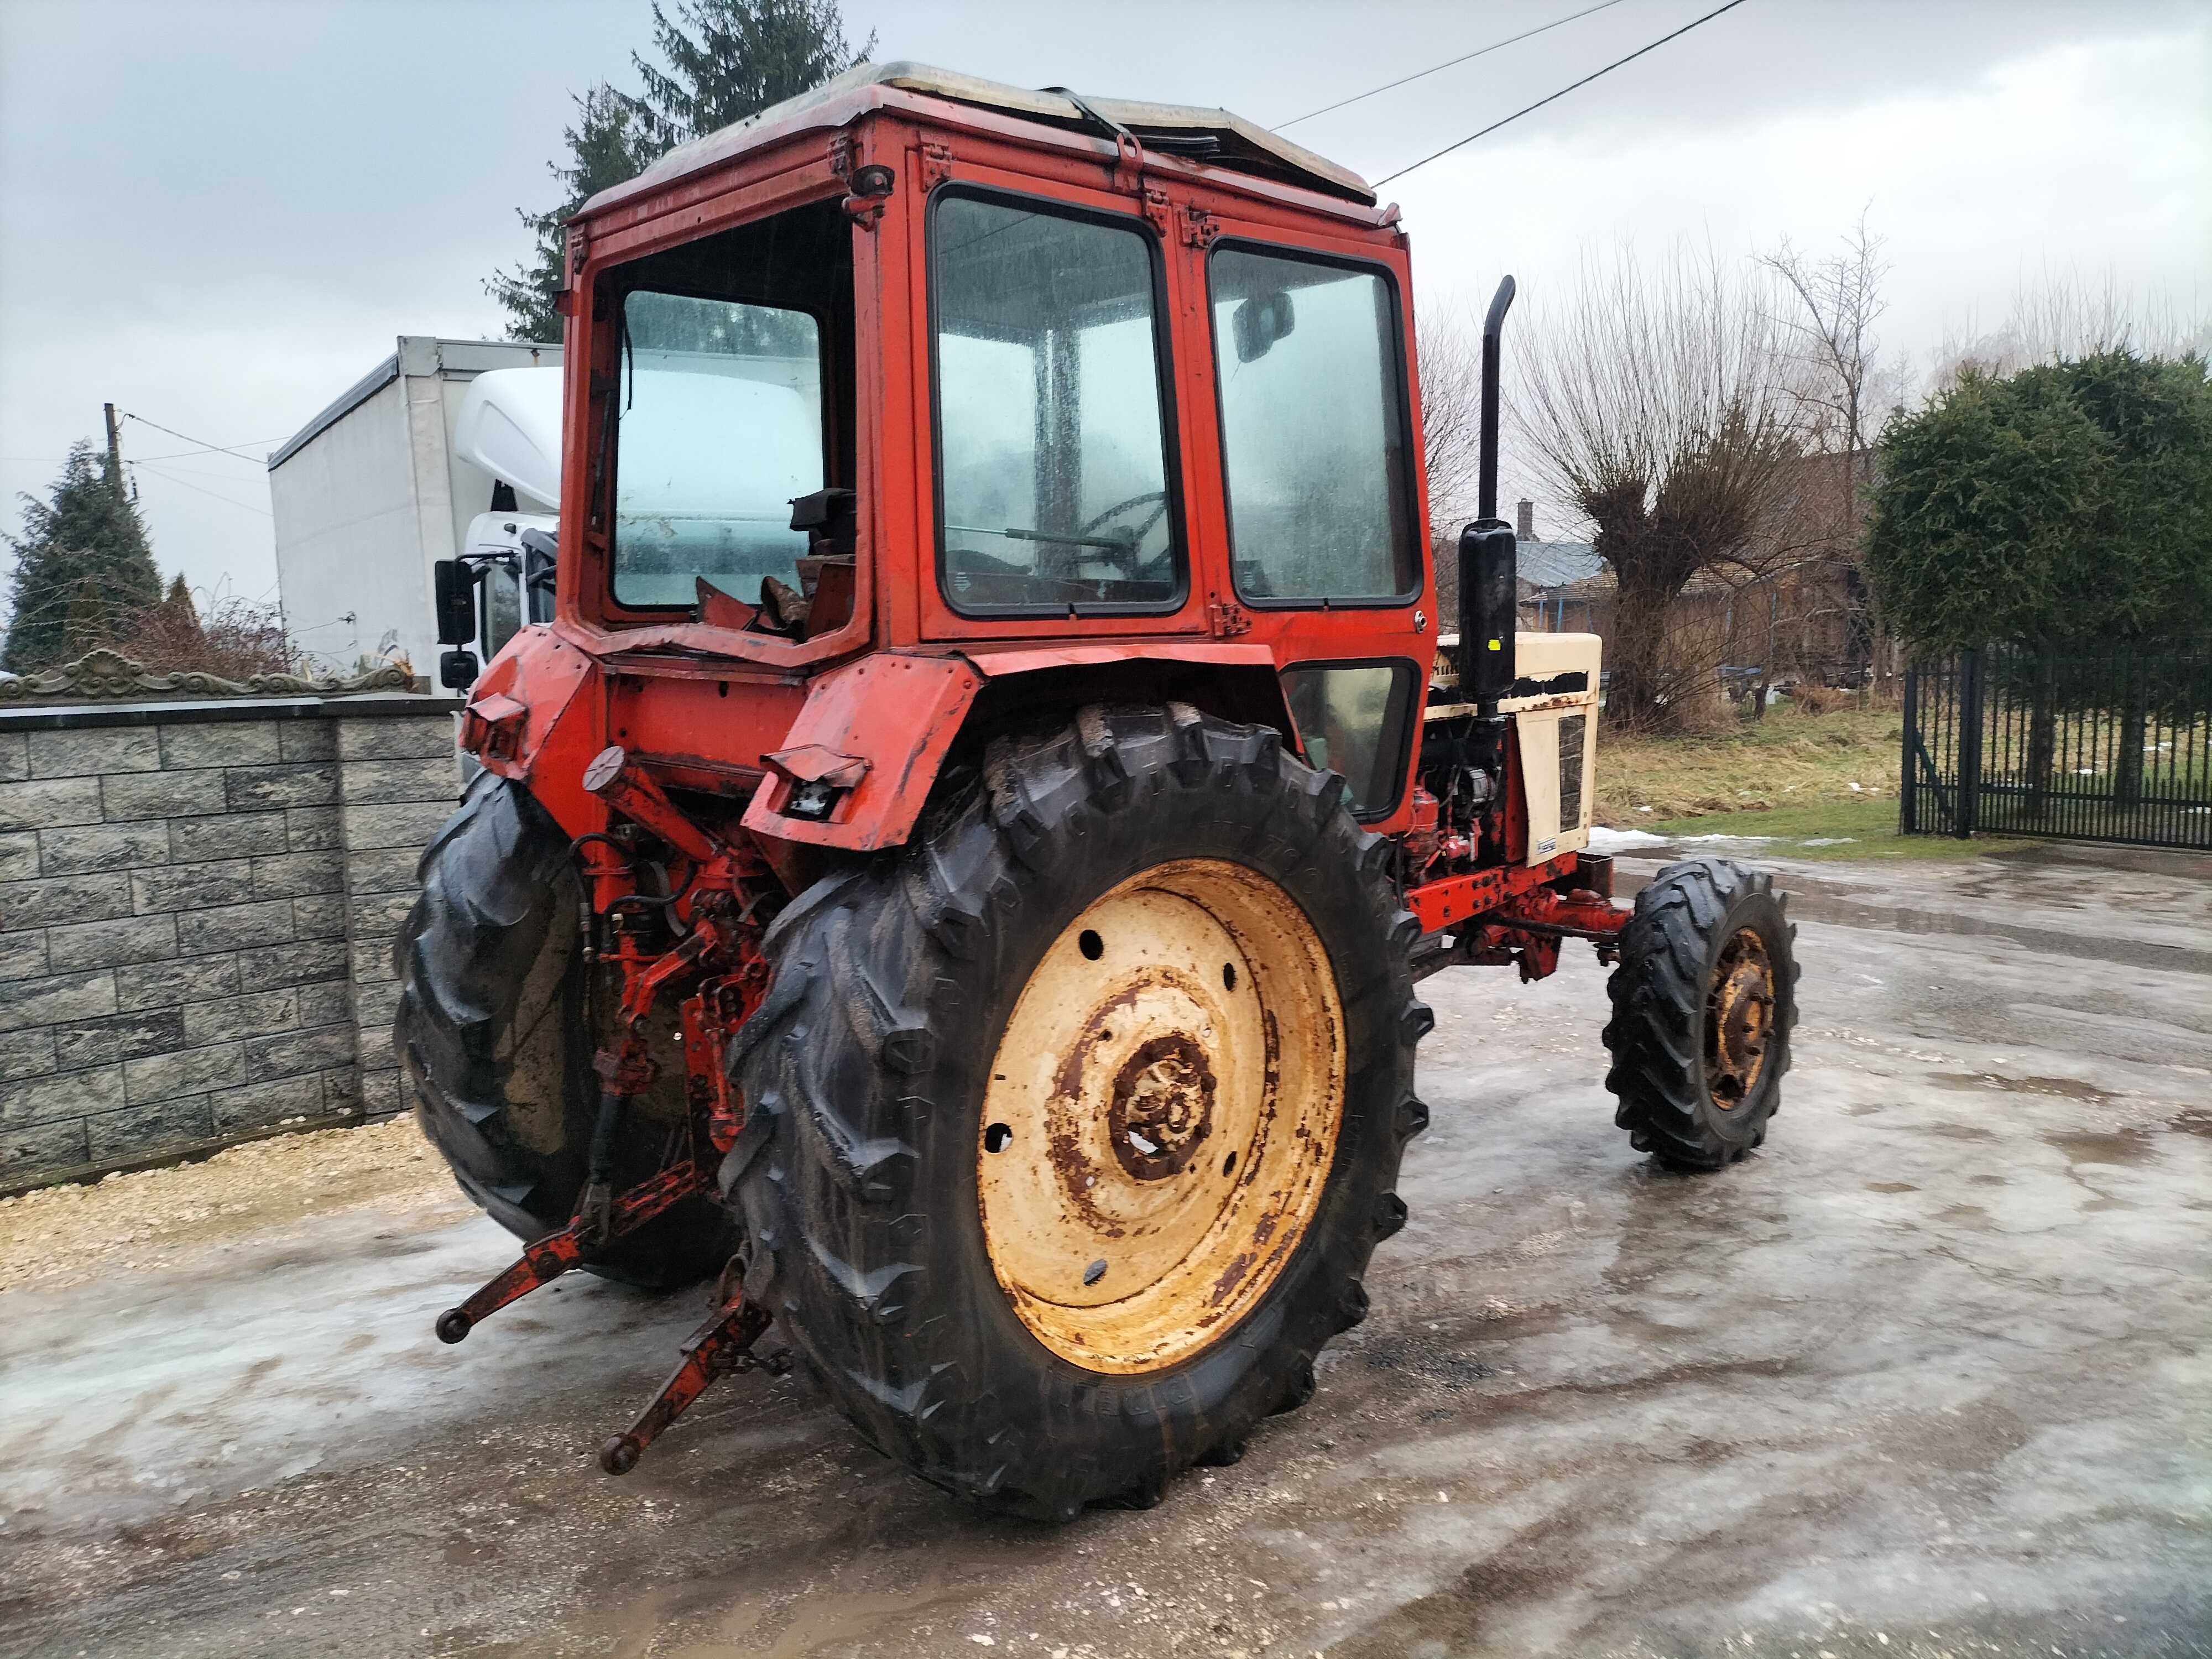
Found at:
(156, 1218)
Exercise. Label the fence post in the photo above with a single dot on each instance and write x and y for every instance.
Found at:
(1908, 768)
(1970, 743)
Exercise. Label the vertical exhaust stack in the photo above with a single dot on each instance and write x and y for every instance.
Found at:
(1489, 600)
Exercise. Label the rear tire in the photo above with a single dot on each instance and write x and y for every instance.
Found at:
(868, 1066)
(1702, 1005)
(492, 1040)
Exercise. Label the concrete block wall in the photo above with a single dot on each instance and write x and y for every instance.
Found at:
(197, 907)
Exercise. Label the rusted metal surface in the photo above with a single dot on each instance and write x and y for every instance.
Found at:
(888, 719)
(1739, 1011)
(558, 1253)
(718, 1347)
(715, 969)
(1451, 900)
(1162, 1115)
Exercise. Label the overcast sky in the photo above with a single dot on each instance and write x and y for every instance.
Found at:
(218, 216)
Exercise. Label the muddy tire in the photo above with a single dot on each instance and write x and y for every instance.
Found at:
(490, 1034)
(1703, 1004)
(925, 1163)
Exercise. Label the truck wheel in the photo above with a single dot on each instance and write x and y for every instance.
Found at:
(1702, 1005)
(492, 1032)
(1073, 1125)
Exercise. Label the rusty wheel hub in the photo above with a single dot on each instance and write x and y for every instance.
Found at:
(1162, 1114)
(1739, 1016)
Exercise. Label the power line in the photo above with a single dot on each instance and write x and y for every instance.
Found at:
(172, 477)
(210, 449)
(1452, 63)
(176, 455)
(1561, 93)
(225, 449)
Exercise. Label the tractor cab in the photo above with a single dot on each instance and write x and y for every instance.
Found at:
(978, 378)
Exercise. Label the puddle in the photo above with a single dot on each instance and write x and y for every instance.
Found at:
(1891, 1187)
(2094, 1146)
(2067, 1088)
(2192, 1122)
(1958, 1132)
(1863, 1110)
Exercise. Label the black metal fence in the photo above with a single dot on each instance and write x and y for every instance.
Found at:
(2017, 742)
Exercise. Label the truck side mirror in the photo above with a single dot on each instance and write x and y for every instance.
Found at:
(454, 598)
(457, 670)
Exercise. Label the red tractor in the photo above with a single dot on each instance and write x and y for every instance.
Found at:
(957, 861)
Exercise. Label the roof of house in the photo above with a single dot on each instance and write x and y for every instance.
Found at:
(1206, 137)
(1559, 564)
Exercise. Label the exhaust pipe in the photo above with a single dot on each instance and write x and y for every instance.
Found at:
(1489, 600)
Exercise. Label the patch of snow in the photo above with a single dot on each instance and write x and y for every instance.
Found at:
(1827, 841)
(1687, 840)
(1602, 840)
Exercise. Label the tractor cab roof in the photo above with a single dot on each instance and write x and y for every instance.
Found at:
(1204, 137)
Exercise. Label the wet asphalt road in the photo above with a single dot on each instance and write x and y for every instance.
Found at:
(1932, 1373)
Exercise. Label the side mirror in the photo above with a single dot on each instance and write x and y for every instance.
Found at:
(1260, 321)
(454, 598)
(457, 670)
(1489, 611)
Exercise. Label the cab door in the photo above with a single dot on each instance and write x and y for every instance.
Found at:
(1058, 439)
(1322, 513)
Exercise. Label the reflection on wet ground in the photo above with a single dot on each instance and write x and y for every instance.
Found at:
(1928, 1374)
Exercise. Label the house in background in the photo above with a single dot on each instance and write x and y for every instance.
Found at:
(1564, 587)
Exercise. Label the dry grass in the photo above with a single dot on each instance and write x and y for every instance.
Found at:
(1791, 758)
(58, 1236)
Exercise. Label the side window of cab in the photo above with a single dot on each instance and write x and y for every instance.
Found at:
(1315, 430)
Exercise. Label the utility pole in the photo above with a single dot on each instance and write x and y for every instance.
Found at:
(114, 449)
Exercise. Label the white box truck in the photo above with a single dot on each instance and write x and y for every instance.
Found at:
(446, 448)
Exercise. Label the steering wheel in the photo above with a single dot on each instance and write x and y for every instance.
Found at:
(1157, 499)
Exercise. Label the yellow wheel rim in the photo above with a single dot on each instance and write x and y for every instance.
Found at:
(1162, 1114)
(1739, 1019)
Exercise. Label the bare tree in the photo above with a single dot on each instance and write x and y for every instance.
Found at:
(2068, 316)
(1830, 306)
(1450, 364)
(1665, 406)
(1833, 305)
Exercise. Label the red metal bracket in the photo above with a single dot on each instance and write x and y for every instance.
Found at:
(556, 1253)
(1453, 899)
(720, 1345)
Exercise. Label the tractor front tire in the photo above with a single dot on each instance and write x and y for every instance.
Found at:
(1703, 1004)
(1072, 1126)
(494, 1042)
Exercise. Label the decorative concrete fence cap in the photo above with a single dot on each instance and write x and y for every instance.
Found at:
(105, 673)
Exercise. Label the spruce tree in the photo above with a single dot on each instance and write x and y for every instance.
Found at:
(726, 59)
(731, 58)
(604, 150)
(83, 566)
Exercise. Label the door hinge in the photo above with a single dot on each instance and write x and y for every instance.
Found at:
(1199, 229)
(1158, 210)
(572, 267)
(1228, 619)
(935, 164)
